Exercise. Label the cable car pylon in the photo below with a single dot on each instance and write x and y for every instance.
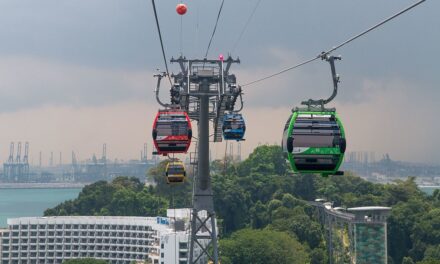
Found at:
(205, 90)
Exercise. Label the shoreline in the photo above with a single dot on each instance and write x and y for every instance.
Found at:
(42, 185)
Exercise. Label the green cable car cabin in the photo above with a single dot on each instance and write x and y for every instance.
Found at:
(314, 142)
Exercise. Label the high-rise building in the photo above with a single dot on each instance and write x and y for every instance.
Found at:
(115, 239)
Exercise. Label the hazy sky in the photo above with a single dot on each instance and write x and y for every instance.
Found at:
(77, 73)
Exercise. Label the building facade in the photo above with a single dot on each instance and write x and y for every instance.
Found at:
(156, 240)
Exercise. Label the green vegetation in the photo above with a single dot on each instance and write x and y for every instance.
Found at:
(259, 200)
(262, 247)
(123, 197)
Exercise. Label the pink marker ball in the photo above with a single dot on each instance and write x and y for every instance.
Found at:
(181, 9)
(220, 57)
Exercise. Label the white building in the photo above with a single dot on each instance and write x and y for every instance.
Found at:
(159, 240)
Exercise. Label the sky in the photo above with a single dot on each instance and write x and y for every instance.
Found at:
(77, 74)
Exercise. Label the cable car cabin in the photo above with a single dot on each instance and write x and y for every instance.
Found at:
(172, 132)
(233, 127)
(175, 172)
(314, 142)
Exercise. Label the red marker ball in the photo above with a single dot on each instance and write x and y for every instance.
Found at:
(181, 9)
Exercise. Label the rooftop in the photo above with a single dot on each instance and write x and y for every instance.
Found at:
(369, 208)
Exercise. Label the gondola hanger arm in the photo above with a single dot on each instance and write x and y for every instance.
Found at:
(322, 102)
(156, 91)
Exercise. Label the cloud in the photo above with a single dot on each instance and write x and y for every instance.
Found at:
(388, 122)
(76, 74)
(396, 119)
(63, 107)
(34, 82)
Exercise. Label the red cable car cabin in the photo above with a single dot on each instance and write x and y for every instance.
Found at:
(172, 132)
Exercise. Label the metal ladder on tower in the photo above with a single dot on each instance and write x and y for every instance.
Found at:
(218, 132)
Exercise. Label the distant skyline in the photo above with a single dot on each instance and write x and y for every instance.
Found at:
(77, 74)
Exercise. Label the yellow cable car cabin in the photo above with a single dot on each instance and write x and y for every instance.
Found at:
(175, 172)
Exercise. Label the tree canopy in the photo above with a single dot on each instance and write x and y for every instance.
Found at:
(262, 195)
(262, 247)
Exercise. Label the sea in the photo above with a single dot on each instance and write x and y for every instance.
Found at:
(31, 202)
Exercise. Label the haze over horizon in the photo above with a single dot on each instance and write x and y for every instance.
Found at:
(77, 74)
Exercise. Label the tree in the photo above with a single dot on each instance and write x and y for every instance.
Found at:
(264, 159)
(297, 223)
(426, 232)
(432, 252)
(429, 261)
(122, 197)
(407, 260)
(262, 247)
(231, 202)
(400, 227)
(262, 193)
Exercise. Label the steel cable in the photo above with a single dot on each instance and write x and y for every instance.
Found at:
(215, 28)
(325, 53)
(245, 26)
(161, 42)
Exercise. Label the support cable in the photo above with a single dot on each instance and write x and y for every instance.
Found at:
(245, 26)
(181, 36)
(161, 41)
(215, 28)
(324, 54)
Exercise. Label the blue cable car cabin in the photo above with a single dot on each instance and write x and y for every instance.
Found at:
(233, 127)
